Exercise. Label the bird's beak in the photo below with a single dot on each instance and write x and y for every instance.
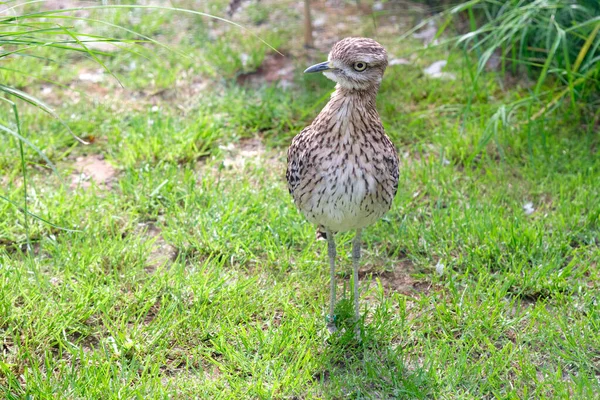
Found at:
(321, 67)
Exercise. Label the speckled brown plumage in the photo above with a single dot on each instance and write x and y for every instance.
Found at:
(343, 169)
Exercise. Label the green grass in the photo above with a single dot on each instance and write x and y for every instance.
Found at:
(192, 275)
(555, 42)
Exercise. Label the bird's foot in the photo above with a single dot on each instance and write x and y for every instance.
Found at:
(331, 327)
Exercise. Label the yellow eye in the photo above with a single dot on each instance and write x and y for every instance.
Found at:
(360, 66)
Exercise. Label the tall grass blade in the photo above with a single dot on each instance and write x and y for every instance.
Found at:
(23, 173)
(93, 55)
(30, 144)
(585, 48)
(43, 14)
(38, 217)
(39, 104)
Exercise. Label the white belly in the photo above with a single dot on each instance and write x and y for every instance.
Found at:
(345, 199)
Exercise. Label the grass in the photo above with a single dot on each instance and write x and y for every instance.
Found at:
(191, 274)
(555, 42)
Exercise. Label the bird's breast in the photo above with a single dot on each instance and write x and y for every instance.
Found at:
(345, 194)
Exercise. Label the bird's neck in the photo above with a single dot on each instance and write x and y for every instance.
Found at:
(349, 112)
(362, 98)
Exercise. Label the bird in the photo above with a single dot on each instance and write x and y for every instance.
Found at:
(342, 169)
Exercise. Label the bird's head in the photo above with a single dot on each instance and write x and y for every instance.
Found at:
(354, 63)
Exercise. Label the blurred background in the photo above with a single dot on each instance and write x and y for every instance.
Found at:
(185, 56)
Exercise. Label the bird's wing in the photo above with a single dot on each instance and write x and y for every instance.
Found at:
(391, 161)
(296, 163)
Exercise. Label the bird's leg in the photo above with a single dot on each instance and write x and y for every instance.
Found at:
(332, 253)
(355, 265)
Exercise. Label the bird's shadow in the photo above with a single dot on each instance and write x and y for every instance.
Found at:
(372, 366)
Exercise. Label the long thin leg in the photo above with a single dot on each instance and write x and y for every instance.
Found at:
(355, 266)
(332, 254)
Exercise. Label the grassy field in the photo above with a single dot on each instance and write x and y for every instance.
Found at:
(187, 272)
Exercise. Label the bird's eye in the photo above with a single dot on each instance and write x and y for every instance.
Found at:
(360, 66)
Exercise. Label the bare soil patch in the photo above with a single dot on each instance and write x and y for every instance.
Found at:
(92, 168)
(246, 150)
(398, 280)
(275, 68)
(68, 4)
(162, 252)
